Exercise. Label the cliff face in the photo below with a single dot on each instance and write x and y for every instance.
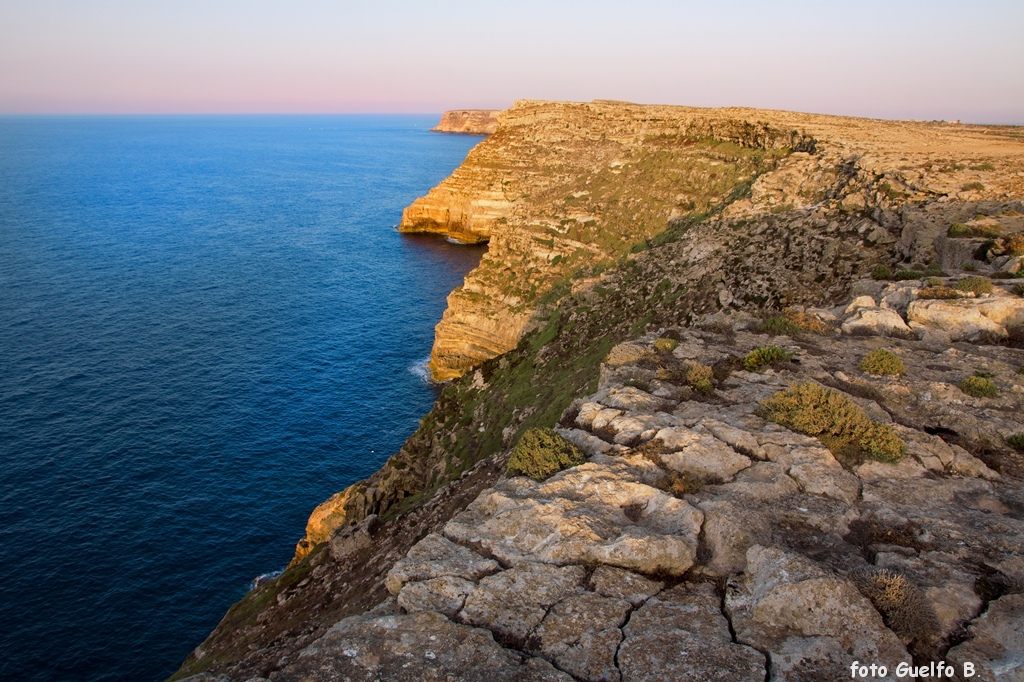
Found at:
(703, 504)
(560, 187)
(468, 122)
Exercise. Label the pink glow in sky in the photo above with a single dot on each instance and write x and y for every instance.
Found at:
(923, 60)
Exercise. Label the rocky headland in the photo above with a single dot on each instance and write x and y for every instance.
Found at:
(787, 352)
(468, 122)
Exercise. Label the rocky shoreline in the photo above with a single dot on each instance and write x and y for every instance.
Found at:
(705, 536)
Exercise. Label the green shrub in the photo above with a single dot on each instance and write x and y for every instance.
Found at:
(968, 266)
(780, 325)
(975, 285)
(903, 275)
(934, 270)
(765, 356)
(700, 378)
(665, 345)
(983, 167)
(836, 421)
(881, 272)
(881, 362)
(1018, 288)
(979, 387)
(971, 186)
(541, 453)
(934, 282)
(1016, 441)
(959, 230)
(940, 292)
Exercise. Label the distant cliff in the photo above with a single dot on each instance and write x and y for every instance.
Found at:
(562, 187)
(468, 122)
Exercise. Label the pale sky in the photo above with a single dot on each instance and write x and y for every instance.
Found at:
(896, 59)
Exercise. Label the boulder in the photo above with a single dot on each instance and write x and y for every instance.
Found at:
(962, 320)
(876, 322)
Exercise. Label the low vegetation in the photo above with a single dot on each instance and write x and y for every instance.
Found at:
(764, 357)
(541, 453)
(881, 272)
(973, 186)
(1016, 441)
(700, 378)
(780, 325)
(901, 603)
(882, 362)
(979, 386)
(840, 424)
(962, 230)
(1018, 288)
(665, 345)
(975, 285)
(938, 292)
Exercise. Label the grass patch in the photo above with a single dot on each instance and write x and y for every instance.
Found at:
(962, 230)
(881, 272)
(541, 453)
(1016, 441)
(938, 292)
(780, 325)
(904, 275)
(1018, 288)
(979, 387)
(975, 285)
(882, 362)
(972, 186)
(836, 421)
(665, 345)
(763, 357)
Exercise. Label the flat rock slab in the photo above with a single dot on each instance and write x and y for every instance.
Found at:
(807, 618)
(996, 646)
(597, 513)
(435, 556)
(682, 635)
(581, 635)
(419, 647)
(511, 604)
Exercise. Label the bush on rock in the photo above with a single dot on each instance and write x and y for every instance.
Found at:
(836, 421)
(541, 453)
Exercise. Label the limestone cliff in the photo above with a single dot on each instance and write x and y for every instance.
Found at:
(468, 122)
(745, 547)
(562, 187)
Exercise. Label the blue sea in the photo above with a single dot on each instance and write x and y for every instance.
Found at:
(208, 325)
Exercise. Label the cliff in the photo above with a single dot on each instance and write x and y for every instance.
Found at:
(560, 187)
(704, 534)
(468, 122)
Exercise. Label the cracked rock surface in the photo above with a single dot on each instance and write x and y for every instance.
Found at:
(702, 542)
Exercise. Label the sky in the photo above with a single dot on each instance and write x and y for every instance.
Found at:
(896, 59)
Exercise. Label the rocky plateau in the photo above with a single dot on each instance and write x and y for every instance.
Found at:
(658, 278)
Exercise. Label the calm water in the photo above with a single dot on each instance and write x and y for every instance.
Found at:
(207, 326)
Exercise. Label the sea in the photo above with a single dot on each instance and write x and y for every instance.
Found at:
(208, 325)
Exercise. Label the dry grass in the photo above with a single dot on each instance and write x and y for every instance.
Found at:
(902, 605)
